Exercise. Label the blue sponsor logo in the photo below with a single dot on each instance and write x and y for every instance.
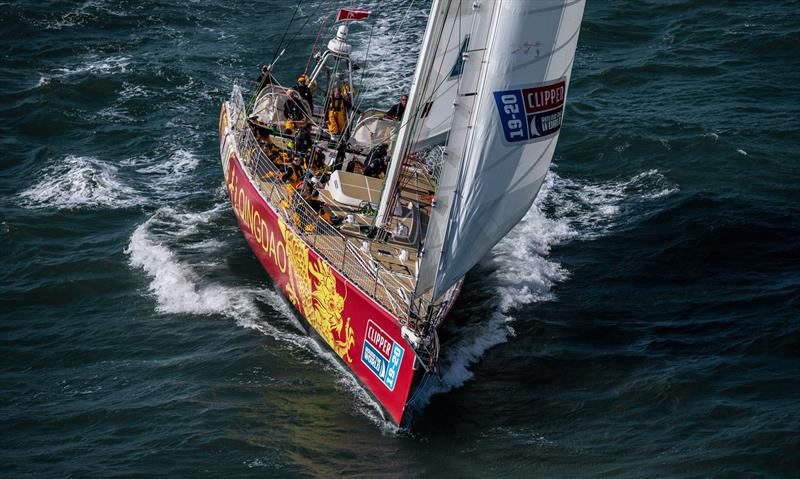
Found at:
(531, 113)
(382, 355)
(512, 115)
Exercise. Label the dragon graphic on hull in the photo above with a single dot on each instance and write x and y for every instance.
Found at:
(312, 290)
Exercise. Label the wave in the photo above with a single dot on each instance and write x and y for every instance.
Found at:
(80, 182)
(565, 210)
(82, 15)
(115, 114)
(181, 287)
(69, 19)
(131, 91)
(175, 286)
(98, 66)
(592, 209)
(165, 170)
(178, 285)
(176, 168)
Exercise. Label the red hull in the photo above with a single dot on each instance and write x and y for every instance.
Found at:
(365, 336)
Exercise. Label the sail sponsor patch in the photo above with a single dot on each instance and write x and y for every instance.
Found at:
(531, 113)
(381, 354)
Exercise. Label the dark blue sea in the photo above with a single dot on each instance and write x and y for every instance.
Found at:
(642, 321)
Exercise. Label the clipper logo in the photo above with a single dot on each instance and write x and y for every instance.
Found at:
(382, 355)
(531, 113)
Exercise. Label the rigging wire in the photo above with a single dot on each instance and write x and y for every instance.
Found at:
(369, 81)
(366, 56)
(275, 56)
(316, 42)
(288, 26)
(408, 118)
(283, 49)
(302, 27)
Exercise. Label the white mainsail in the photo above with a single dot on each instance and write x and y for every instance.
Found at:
(505, 117)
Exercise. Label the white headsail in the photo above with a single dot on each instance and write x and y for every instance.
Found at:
(460, 25)
(416, 98)
(437, 81)
(506, 112)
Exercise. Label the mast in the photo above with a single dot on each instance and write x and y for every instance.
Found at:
(415, 101)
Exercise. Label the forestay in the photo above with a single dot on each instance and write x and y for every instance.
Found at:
(507, 108)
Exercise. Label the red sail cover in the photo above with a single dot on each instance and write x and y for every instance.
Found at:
(351, 14)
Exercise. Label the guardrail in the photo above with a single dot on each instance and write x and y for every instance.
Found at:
(327, 241)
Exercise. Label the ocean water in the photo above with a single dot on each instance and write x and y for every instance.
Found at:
(643, 320)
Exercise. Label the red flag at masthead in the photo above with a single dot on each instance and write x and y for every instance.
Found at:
(346, 14)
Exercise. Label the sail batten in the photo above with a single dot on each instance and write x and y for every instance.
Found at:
(501, 140)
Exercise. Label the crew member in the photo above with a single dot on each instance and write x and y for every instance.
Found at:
(376, 162)
(311, 196)
(317, 161)
(338, 108)
(278, 156)
(294, 171)
(305, 93)
(292, 111)
(302, 141)
(397, 110)
(265, 78)
(341, 156)
(261, 133)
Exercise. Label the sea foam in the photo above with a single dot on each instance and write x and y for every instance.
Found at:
(98, 66)
(180, 163)
(181, 286)
(175, 286)
(79, 182)
(523, 273)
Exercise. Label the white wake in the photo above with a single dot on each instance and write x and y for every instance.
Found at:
(523, 271)
(179, 286)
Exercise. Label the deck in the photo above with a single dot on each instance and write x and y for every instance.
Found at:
(384, 270)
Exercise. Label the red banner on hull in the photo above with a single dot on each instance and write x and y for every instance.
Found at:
(365, 336)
